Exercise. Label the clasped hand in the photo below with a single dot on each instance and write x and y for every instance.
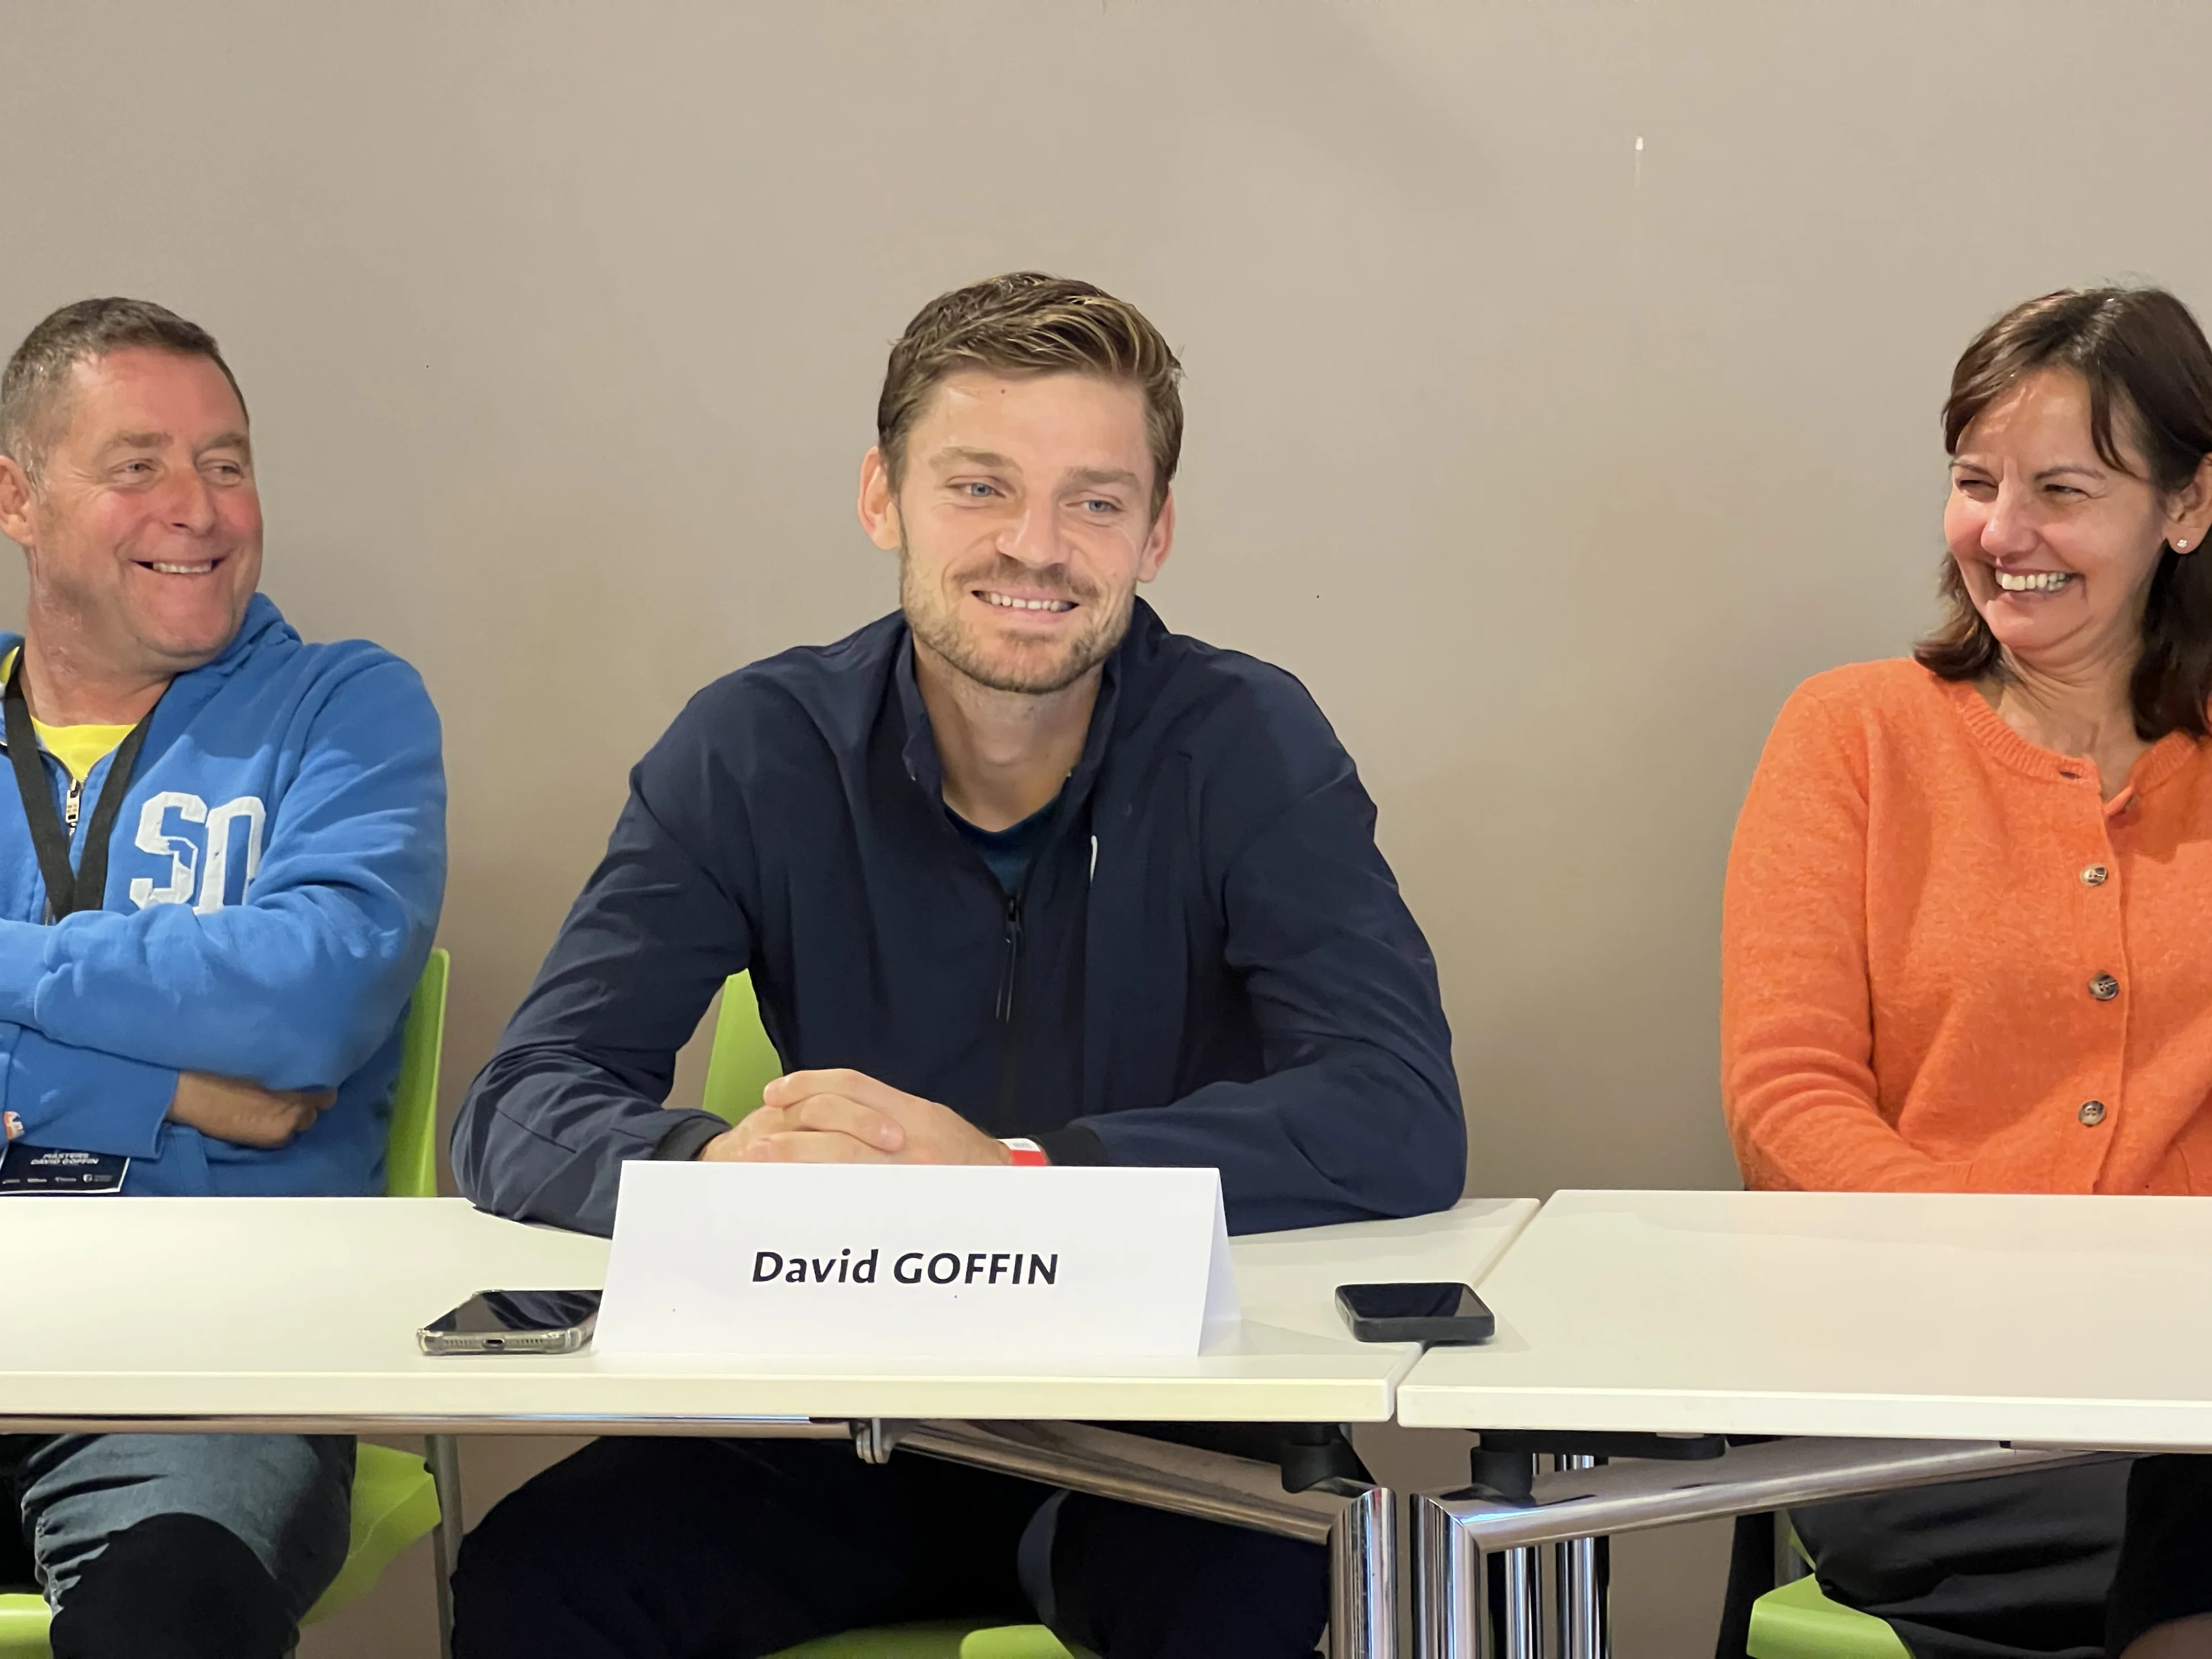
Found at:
(849, 1117)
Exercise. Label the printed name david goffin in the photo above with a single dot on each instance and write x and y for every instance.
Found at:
(913, 1268)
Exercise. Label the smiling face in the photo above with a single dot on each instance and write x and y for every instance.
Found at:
(2058, 547)
(1022, 524)
(142, 533)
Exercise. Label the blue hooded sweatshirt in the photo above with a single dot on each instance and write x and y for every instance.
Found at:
(273, 883)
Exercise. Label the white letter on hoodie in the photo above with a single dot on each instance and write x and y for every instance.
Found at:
(214, 883)
(184, 854)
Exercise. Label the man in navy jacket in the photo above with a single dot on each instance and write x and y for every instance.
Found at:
(1020, 876)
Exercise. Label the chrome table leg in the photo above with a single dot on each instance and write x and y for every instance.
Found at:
(1456, 1533)
(1452, 1603)
(1523, 1635)
(1362, 1570)
(1578, 1580)
(443, 1453)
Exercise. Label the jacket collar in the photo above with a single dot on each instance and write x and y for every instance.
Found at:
(262, 618)
(262, 622)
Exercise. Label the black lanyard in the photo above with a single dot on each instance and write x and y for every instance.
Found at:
(67, 890)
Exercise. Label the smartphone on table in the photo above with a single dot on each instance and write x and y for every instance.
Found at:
(514, 1322)
(1438, 1313)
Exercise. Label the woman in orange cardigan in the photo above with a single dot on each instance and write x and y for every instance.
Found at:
(1967, 935)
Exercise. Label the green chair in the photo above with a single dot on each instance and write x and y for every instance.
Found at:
(395, 1500)
(944, 1640)
(743, 1063)
(1797, 1622)
(411, 1149)
(1018, 1642)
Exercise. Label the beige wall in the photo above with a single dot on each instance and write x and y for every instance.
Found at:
(1562, 386)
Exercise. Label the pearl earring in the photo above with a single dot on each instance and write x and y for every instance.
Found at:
(2181, 546)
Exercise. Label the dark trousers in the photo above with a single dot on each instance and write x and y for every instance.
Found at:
(2018, 1567)
(2164, 1570)
(2062, 1564)
(671, 1548)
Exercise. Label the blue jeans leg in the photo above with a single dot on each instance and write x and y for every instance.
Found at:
(288, 1497)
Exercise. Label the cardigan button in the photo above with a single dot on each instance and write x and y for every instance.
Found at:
(2104, 988)
(2092, 1112)
(2094, 875)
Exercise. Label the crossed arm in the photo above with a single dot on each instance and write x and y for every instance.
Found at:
(241, 1021)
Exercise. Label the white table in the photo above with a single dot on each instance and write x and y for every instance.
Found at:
(1977, 1327)
(303, 1311)
(300, 1313)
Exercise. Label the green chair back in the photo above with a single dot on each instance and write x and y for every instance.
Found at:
(410, 1150)
(395, 1501)
(23, 1621)
(944, 1639)
(743, 1061)
(1796, 1621)
(1018, 1641)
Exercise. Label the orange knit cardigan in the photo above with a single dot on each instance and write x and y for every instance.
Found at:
(1948, 965)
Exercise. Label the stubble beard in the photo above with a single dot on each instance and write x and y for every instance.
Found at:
(936, 626)
(103, 636)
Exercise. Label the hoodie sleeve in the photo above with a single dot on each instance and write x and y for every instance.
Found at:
(1357, 1115)
(577, 1084)
(54, 1094)
(297, 986)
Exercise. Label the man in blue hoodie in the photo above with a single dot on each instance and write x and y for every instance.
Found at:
(222, 858)
(1020, 877)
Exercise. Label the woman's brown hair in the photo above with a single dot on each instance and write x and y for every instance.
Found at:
(2146, 363)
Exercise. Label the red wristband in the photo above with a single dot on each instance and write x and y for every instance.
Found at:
(1027, 1153)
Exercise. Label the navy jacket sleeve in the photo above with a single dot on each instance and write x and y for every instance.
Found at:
(576, 1086)
(1357, 1115)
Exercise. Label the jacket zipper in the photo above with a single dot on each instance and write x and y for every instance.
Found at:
(71, 802)
(1003, 1011)
(1009, 1032)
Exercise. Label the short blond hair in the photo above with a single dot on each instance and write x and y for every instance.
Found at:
(1027, 323)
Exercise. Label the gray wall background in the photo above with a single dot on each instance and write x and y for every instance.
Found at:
(1562, 382)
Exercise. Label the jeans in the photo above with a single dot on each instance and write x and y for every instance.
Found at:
(150, 1545)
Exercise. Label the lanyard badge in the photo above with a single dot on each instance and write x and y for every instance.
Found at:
(85, 887)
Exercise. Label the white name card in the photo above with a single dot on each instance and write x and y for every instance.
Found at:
(890, 1261)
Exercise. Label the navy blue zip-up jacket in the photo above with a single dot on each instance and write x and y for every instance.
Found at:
(1208, 962)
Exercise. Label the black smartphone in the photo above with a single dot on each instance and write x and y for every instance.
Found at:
(1437, 1314)
(514, 1322)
